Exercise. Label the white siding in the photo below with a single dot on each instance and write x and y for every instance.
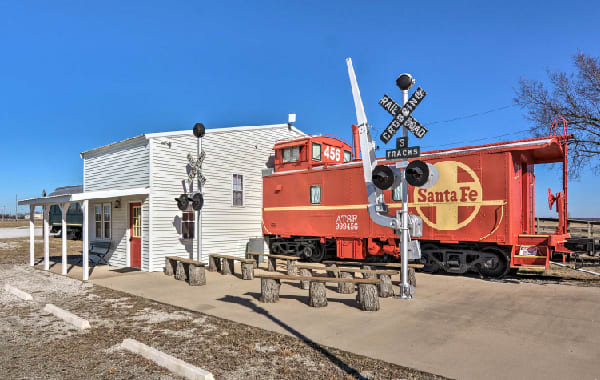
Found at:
(168, 171)
(121, 166)
(225, 228)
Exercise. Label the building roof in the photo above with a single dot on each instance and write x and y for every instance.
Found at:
(76, 197)
(148, 136)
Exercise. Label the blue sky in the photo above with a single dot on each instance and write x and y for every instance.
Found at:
(76, 75)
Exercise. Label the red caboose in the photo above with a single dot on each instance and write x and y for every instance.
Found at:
(478, 216)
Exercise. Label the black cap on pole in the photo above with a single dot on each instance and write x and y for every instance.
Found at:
(405, 81)
(199, 130)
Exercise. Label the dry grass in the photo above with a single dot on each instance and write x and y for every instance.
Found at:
(19, 223)
(16, 251)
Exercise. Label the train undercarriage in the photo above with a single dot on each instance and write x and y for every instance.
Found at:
(489, 260)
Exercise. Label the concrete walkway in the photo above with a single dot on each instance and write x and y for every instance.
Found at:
(457, 327)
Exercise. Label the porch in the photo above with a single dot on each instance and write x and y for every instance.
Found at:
(108, 226)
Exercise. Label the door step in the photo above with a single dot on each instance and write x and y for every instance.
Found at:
(532, 268)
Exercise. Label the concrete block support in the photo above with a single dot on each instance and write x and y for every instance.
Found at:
(18, 292)
(68, 317)
(177, 366)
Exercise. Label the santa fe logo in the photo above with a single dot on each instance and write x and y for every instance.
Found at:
(439, 205)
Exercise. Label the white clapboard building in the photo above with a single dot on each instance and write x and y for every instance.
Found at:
(130, 186)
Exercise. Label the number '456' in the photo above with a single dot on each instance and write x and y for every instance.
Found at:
(332, 153)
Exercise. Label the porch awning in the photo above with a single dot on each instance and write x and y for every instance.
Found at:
(77, 197)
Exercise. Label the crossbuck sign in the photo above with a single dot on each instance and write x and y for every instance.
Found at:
(195, 168)
(402, 115)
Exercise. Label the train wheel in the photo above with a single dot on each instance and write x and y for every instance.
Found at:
(318, 253)
(493, 263)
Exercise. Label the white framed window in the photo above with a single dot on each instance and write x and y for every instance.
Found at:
(102, 220)
(237, 189)
(347, 156)
(291, 154)
(315, 194)
(316, 152)
(188, 218)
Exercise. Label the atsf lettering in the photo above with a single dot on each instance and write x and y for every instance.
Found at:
(346, 222)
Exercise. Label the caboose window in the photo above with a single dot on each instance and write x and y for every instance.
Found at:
(347, 156)
(397, 194)
(238, 190)
(316, 152)
(291, 154)
(315, 195)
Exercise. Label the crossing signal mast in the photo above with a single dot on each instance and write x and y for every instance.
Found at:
(195, 197)
(382, 177)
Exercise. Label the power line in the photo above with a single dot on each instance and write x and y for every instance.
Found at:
(473, 114)
(477, 140)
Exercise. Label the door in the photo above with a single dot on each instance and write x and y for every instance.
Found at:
(135, 233)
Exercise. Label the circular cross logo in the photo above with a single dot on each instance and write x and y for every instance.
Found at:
(454, 201)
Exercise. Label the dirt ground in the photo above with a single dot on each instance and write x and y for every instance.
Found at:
(19, 223)
(35, 344)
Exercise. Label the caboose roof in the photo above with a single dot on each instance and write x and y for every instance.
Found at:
(545, 149)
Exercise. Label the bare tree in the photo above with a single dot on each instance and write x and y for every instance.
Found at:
(576, 97)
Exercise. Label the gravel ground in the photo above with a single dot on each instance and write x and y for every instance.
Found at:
(35, 344)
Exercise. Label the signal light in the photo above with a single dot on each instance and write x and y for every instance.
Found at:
(183, 202)
(383, 177)
(197, 201)
(421, 174)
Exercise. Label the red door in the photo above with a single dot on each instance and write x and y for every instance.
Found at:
(135, 233)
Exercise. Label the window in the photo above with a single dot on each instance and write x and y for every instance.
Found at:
(102, 220)
(397, 193)
(187, 223)
(315, 195)
(316, 152)
(291, 154)
(238, 190)
(347, 156)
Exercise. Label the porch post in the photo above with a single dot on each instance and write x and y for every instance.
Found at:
(85, 238)
(46, 237)
(63, 208)
(31, 235)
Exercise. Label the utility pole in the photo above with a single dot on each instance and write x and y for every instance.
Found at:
(16, 207)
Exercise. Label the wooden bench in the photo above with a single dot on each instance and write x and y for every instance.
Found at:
(317, 295)
(363, 263)
(272, 261)
(186, 269)
(412, 279)
(225, 265)
(100, 249)
(385, 278)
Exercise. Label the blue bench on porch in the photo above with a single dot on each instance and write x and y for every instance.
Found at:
(100, 249)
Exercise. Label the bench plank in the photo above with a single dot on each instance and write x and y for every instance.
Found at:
(359, 263)
(186, 261)
(317, 278)
(349, 270)
(243, 260)
(282, 257)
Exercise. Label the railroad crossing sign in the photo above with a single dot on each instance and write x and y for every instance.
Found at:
(403, 150)
(194, 168)
(402, 115)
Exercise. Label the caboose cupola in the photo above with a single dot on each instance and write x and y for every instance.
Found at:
(310, 151)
